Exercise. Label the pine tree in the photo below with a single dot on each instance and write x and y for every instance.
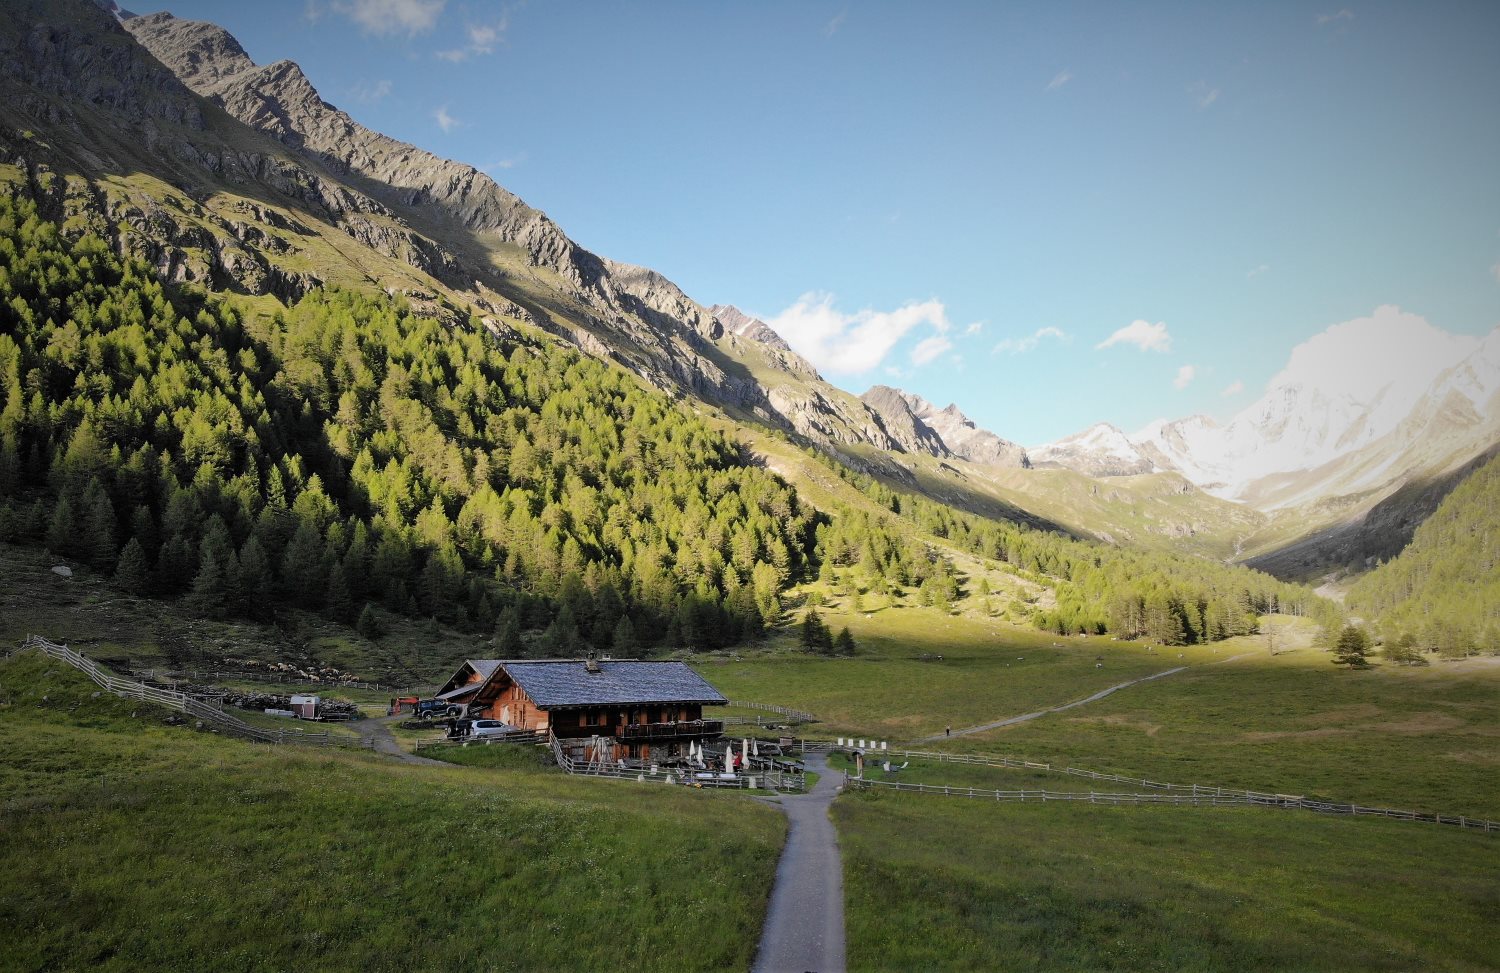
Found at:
(62, 530)
(130, 570)
(176, 565)
(338, 603)
(844, 644)
(369, 624)
(1350, 648)
(508, 644)
(256, 582)
(210, 587)
(561, 637)
(624, 645)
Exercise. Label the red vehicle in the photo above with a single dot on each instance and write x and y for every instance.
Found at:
(403, 704)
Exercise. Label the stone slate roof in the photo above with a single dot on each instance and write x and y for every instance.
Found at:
(563, 684)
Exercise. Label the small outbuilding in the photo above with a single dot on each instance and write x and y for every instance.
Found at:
(305, 707)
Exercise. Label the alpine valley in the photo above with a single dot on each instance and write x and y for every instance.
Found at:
(286, 402)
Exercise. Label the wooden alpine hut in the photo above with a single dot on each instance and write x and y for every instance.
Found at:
(647, 709)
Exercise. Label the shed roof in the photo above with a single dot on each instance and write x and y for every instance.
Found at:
(566, 683)
(484, 667)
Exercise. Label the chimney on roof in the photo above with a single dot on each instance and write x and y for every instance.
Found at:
(591, 664)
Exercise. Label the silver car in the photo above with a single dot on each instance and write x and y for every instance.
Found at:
(489, 728)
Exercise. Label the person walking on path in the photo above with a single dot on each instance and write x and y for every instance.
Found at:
(948, 732)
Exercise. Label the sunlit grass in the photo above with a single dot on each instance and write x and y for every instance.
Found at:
(130, 845)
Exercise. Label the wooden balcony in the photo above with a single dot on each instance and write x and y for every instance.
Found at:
(669, 731)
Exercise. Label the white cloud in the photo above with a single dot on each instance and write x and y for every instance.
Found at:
(929, 348)
(1202, 94)
(482, 40)
(392, 16)
(832, 27)
(974, 328)
(369, 92)
(1142, 334)
(1233, 388)
(858, 342)
(1061, 78)
(1344, 14)
(445, 121)
(1019, 346)
(1495, 271)
(1257, 271)
(509, 162)
(1185, 376)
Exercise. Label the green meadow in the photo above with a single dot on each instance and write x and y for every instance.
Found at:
(946, 883)
(130, 845)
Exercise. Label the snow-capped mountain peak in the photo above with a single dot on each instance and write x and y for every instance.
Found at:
(1348, 390)
(1100, 450)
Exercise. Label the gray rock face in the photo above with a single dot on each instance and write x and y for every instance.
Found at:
(964, 439)
(738, 322)
(920, 427)
(910, 433)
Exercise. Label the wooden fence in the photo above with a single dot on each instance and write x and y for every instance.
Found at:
(520, 736)
(257, 675)
(795, 715)
(1202, 796)
(180, 702)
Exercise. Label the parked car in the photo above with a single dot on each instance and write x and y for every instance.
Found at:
(437, 709)
(489, 728)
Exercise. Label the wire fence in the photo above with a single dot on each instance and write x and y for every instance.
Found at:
(208, 713)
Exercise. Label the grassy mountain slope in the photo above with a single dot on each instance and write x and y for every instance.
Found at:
(350, 451)
(1442, 593)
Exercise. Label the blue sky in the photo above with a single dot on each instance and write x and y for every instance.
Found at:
(968, 200)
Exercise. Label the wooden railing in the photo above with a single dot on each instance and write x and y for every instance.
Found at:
(680, 730)
(180, 702)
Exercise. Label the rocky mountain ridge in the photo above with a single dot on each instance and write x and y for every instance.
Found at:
(921, 427)
(163, 135)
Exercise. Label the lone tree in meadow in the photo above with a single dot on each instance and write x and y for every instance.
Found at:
(1351, 647)
(815, 634)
